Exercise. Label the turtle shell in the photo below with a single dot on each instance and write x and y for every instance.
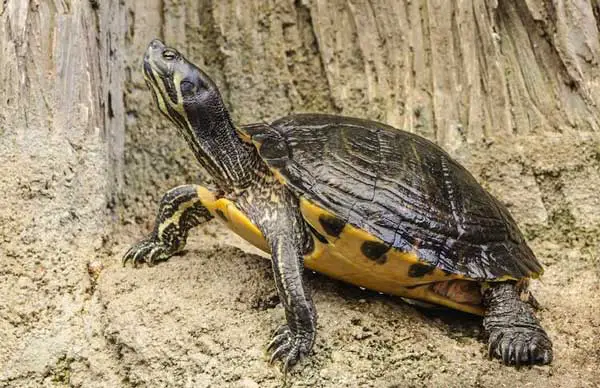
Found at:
(398, 187)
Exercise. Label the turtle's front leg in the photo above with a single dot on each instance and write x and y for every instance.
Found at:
(284, 230)
(294, 339)
(180, 210)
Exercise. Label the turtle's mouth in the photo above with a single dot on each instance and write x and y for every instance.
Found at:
(159, 87)
(158, 68)
(152, 83)
(154, 60)
(156, 46)
(148, 74)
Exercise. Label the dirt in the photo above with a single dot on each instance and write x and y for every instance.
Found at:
(86, 158)
(203, 319)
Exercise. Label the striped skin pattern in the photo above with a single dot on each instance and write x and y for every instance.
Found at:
(354, 199)
(180, 210)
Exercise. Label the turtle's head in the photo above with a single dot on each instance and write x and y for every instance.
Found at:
(191, 100)
(183, 92)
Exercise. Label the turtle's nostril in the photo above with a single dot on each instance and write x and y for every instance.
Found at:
(156, 44)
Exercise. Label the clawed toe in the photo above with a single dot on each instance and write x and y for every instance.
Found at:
(520, 347)
(284, 353)
(146, 252)
(288, 347)
(277, 341)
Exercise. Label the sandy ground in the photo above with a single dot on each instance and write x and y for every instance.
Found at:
(203, 319)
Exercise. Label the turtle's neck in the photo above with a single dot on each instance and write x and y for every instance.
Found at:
(232, 163)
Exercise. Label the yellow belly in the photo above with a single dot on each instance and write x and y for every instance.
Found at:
(341, 258)
(227, 212)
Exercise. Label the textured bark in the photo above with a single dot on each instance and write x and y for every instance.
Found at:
(509, 88)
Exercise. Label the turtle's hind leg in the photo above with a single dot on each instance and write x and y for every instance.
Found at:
(180, 210)
(515, 334)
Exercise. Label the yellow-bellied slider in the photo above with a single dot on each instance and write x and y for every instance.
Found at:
(355, 199)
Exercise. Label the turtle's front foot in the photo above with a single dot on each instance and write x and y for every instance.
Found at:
(148, 251)
(520, 346)
(289, 347)
(180, 210)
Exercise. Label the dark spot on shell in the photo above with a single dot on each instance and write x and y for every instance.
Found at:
(222, 215)
(317, 235)
(332, 225)
(420, 270)
(375, 251)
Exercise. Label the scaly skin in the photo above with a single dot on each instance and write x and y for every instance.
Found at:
(515, 335)
(179, 211)
(190, 99)
(276, 213)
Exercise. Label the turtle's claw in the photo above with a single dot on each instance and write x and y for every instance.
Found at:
(520, 346)
(148, 251)
(288, 347)
(280, 351)
(276, 343)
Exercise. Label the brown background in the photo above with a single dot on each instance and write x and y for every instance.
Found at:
(510, 88)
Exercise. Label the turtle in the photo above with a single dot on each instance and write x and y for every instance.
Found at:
(354, 199)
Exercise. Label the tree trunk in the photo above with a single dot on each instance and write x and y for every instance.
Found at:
(510, 88)
(59, 139)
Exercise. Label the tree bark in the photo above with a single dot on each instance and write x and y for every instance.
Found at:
(61, 131)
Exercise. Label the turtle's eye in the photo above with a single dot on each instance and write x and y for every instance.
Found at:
(187, 88)
(169, 55)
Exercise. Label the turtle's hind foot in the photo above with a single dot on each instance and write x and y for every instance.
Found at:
(520, 346)
(515, 335)
(148, 251)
